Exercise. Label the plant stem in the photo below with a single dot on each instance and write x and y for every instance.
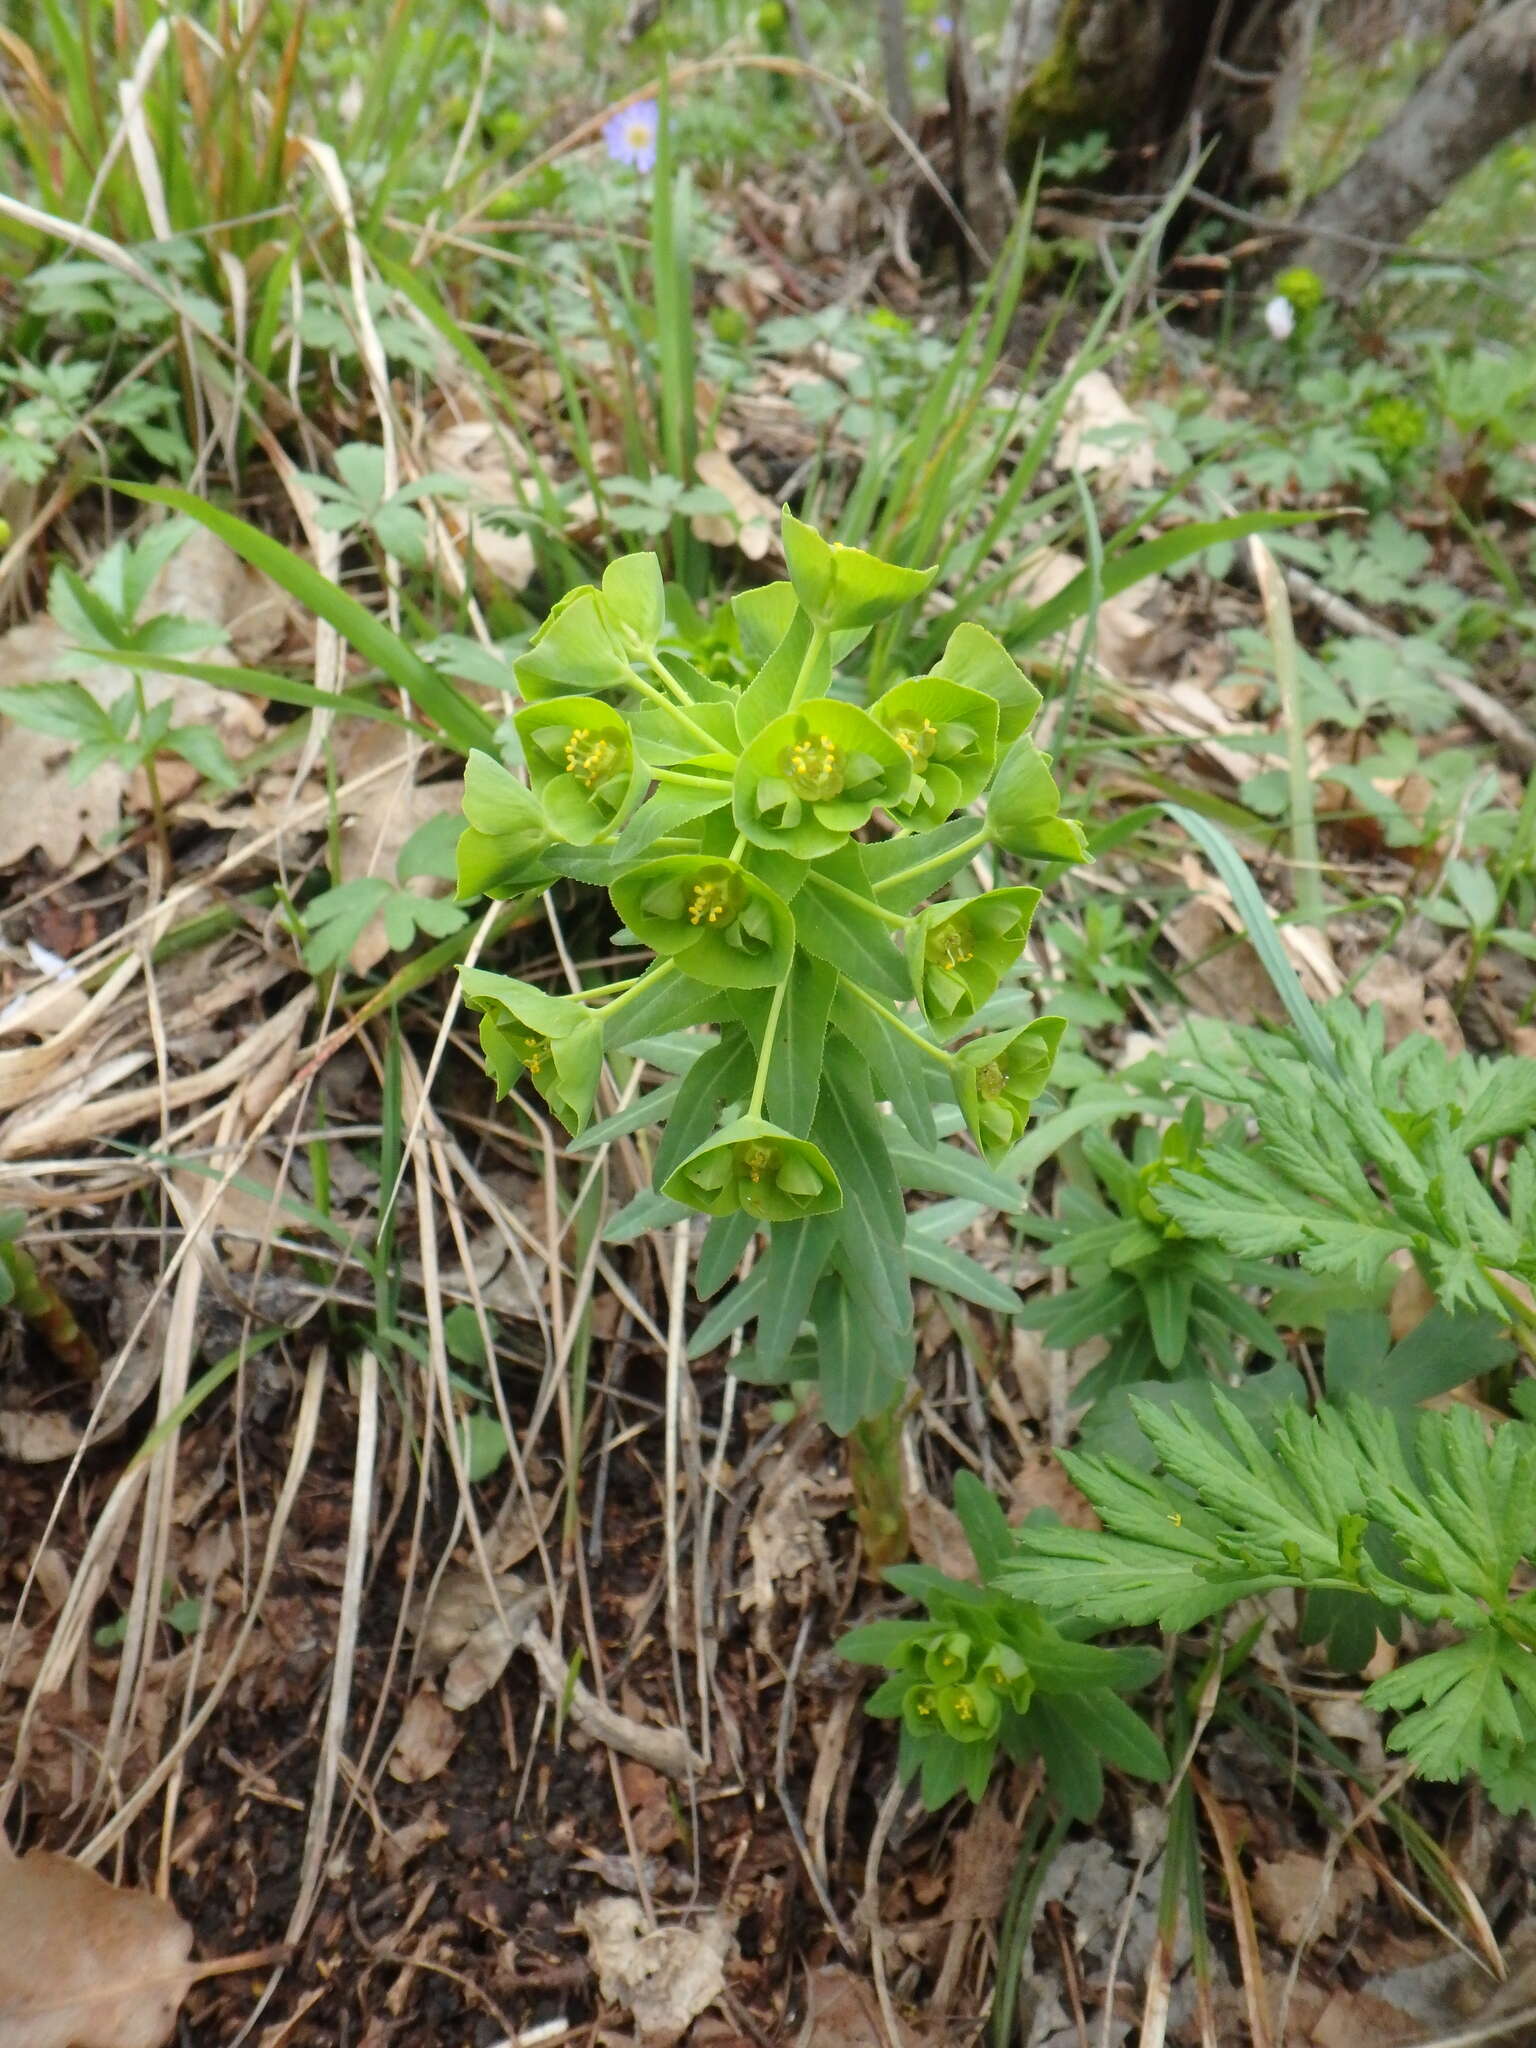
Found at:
(609, 988)
(874, 1466)
(893, 918)
(819, 637)
(654, 696)
(657, 971)
(897, 1023)
(765, 1053)
(40, 1304)
(964, 850)
(702, 785)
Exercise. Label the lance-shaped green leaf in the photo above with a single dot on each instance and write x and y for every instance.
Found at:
(576, 649)
(498, 855)
(979, 660)
(722, 925)
(998, 1077)
(581, 760)
(959, 952)
(1022, 809)
(813, 776)
(949, 734)
(754, 1166)
(555, 1040)
(842, 586)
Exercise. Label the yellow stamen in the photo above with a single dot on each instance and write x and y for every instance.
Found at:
(589, 759)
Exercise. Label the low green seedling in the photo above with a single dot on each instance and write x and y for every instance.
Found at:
(981, 1675)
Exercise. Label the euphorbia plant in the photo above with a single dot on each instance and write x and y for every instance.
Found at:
(775, 846)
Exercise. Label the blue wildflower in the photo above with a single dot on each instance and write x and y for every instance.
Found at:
(630, 135)
(943, 25)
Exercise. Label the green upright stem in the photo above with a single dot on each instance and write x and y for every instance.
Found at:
(819, 638)
(654, 696)
(657, 971)
(874, 1466)
(897, 1023)
(765, 1053)
(40, 1304)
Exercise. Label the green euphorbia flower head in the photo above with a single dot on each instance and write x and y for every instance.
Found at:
(581, 760)
(998, 1078)
(959, 952)
(498, 852)
(949, 734)
(1304, 288)
(970, 1713)
(813, 776)
(755, 1167)
(555, 1040)
(719, 923)
(844, 587)
(1006, 1673)
(948, 1658)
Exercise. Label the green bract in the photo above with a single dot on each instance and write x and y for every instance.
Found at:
(1022, 810)
(755, 1167)
(498, 853)
(949, 735)
(958, 952)
(719, 923)
(573, 651)
(555, 1040)
(842, 587)
(581, 760)
(998, 1078)
(979, 661)
(813, 776)
(588, 638)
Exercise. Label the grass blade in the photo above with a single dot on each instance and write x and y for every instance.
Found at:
(459, 721)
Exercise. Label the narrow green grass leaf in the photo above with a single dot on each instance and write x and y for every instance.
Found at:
(459, 721)
(1234, 871)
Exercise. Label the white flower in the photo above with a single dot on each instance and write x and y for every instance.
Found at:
(1280, 317)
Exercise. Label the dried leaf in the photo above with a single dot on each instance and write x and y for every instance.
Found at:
(1290, 1898)
(29, 1438)
(665, 1977)
(785, 1538)
(476, 452)
(755, 527)
(1042, 1482)
(842, 2011)
(1099, 431)
(428, 1736)
(83, 1964)
(986, 1850)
